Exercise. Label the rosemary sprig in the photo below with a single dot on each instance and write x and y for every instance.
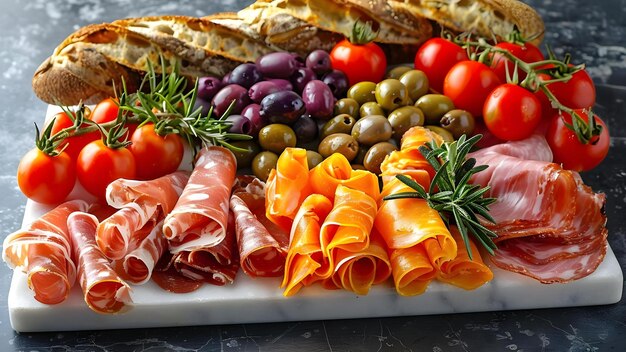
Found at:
(166, 102)
(450, 193)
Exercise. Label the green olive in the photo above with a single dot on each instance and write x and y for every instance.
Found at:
(250, 149)
(434, 106)
(370, 108)
(394, 141)
(401, 119)
(276, 137)
(339, 124)
(442, 132)
(341, 143)
(313, 158)
(347, 106)
(372, 129)
(376, 154)
(263, 163)
(458, 122)
(416, 83)
(397, 71)
(362, 92)
(360, 155)
(391, 94)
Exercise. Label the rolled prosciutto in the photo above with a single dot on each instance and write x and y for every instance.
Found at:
(43, 250)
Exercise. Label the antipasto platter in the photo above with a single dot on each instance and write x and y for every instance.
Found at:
(235, 169)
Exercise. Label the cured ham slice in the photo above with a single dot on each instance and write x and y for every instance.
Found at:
(418, 240)
(262, 244)
(140, 203)
(199, 218)
(104, 291)
(287, 187)
(462, 271)
(550, 225)
(137, 266)
(359, 271)
(305, 261)
(336, 170)
(217, 265)
(44, 252)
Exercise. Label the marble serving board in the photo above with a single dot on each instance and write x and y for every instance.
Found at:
(260, 300)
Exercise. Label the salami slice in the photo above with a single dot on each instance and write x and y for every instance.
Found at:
(44, 252)
(104, 291)
(200, 215)
(262, 244)
(139, 202)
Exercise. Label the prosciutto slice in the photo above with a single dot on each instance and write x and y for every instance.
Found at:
(137, 266)
(199, 218)
(550, 225)
(140, 205)
(262, 244)
(104, 291)
(43, 251)
(287, 187)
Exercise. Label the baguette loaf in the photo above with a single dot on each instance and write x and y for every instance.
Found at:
(91, 62)
(487, 18)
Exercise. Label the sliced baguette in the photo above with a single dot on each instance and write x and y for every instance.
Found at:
(487, 18)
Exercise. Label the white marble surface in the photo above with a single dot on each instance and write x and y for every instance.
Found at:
(260, 300)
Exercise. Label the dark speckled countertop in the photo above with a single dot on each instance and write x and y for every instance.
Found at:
(593, 31)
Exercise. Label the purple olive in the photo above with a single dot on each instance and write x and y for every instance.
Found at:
(337, 82)
(253, 113)
(299, 60)
(318, 99)
(319, 62)
(201, 103)
(259, 90)
(282, 107)
(226, 79)
(305, 128)
(277, 65)
(239, 125)
(282, 83)
(225, 97)
(245, 75)
(301, 77)
(208, 87)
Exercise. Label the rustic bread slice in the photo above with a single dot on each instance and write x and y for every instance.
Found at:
(487, 18)
(190, 36)
(339, 16)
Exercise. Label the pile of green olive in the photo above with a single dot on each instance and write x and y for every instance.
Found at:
(367, 125)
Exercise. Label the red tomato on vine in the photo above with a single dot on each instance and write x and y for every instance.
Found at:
(155, 155)
(468, 83)
(44, 178)
(436, 57)
(98, 165)
(512, 112)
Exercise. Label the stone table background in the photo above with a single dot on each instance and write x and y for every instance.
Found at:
(594, 32)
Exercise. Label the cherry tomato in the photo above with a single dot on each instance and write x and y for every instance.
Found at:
(105, 111)
(527, 53)
(44, 178)
(468, 83)
(360, 63)
(568, 150)
(75, 143)
(155, 155)
(512, 112)
(577, 93)
(99, 165)
(436, 57)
